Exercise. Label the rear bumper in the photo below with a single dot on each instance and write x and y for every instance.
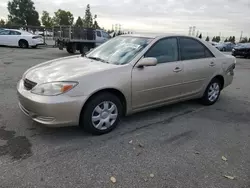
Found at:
(240, 53)
(53, 111)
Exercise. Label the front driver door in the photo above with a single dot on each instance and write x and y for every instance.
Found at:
(4, 37)
(153, 85)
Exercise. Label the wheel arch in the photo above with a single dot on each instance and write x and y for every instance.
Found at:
(221, 79)
(113, 91)
(23, 40)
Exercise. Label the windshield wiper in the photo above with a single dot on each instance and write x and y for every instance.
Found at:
(98, 59)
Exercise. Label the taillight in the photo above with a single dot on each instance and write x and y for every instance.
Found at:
(36, 37)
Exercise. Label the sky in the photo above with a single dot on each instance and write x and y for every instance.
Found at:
(211, 17)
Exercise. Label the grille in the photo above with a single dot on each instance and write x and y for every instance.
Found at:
(29, 84)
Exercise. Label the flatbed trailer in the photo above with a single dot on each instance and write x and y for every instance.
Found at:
(76, 38)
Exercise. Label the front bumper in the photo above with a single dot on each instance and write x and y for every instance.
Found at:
(54, 111)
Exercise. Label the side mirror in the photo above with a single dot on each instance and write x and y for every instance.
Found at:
(148, 61)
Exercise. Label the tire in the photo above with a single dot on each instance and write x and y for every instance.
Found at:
(101, 113)
(214, 87)
(34, 47)
(23, 44)
(71, 48)
(223, 49)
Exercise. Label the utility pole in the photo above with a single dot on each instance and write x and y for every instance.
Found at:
(193, 32)
(190, 31)
(241, 35)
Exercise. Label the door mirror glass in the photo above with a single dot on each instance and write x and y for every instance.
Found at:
(148, 61)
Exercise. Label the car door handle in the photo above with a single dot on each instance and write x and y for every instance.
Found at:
(212, 64)
(177, 69)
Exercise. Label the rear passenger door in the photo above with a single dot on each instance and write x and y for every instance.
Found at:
(199, 65)
(14, 38)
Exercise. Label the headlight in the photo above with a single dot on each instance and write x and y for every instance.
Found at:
(53, 88)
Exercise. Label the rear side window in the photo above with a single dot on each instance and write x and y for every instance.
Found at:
(192, 49)
(98, 33)
(165, 50)
(15, 33)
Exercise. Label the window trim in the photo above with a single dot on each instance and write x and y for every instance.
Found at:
(99, 32)
(178, 48)
(205, 48)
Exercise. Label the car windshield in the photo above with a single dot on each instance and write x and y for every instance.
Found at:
(119, 50)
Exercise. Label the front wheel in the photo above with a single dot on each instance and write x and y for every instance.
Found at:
(212, 93)
(101, 114)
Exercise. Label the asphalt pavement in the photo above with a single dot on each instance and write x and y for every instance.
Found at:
(178, 146)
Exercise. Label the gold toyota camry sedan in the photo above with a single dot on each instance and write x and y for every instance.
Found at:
(127, 74)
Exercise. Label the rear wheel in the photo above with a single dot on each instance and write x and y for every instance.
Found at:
(212, 93)
(71, 48)
(23, 44)
(101, 114)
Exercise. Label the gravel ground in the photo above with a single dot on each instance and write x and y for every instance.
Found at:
(177, 146)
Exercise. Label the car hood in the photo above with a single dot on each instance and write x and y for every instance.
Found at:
(65, 69)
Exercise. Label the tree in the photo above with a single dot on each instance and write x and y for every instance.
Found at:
(63, 17)
(233, 39)
(243, 40)
(207, 39)
(217, 39)
(226, 40)
(2, 23)
(23, 12)
(46, 19)
(213, 39)
(249, 40)
(230, 39)
(200, 36)
(88, 19)
(79, 22)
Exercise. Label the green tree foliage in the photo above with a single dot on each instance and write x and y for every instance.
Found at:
(233, 39)
(249, 40)
(88, 19)
(226, 40)
(207, 39)
(200, 36)
(46, 19)
(244, 40)
(2, 23)
(63, 17)
(23, 12)
(79, 22)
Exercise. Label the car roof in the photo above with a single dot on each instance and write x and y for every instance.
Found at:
(156, 35)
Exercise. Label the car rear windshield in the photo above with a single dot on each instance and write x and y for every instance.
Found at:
(120, 50)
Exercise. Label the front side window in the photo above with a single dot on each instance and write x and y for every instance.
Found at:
(119, 50)
(192, 49)
(165, 50)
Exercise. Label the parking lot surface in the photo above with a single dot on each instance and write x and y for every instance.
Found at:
(179, 145)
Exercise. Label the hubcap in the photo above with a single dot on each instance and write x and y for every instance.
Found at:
(104, 115)
(213, 92)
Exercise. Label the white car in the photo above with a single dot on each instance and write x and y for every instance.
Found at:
(23, 39)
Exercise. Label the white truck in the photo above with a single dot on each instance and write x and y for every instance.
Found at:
(78, 38)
